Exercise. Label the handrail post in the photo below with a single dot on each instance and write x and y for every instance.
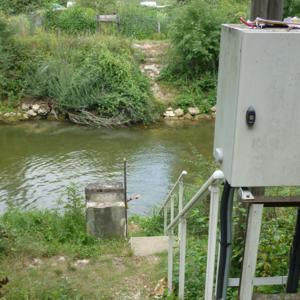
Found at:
(182, 250)
(212, 241)
(165, 219)
(180, 202)
(172, 208)
(170, 262)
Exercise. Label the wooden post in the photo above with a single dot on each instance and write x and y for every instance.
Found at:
(267, 9)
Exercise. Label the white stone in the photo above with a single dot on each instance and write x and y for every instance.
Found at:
(6, 115)
(25, 106)
(81, 263)
(36, 107)
(188, 116)
(179, 112)
(42, 111)
(213, 109)
(194, 111)
(150, 245)
(31, 113)
(169, 114)
(61, 259)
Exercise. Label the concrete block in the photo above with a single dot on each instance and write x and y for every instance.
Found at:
(150, 245)
(105, 219)
(105, 192)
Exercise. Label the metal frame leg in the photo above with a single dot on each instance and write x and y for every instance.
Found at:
(212, 242)
(250, 254)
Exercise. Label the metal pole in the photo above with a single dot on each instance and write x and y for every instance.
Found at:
(170, 262)
(180, 202)
(294, 269)
(250, 253)
(165, 219)
(212, 241)
(182, 251)
(125, 197)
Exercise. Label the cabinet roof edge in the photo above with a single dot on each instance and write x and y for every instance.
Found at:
(245, 29)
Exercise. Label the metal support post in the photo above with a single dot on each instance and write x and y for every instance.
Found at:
(180, 203)
(170, 263)
(165, 219)
(251, 248)
(212, 241)
(182, 250)
(172, 208)
(294, 268)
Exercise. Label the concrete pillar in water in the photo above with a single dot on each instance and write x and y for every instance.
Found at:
(105, 209)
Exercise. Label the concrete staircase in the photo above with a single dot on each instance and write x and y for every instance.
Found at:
(149, 245)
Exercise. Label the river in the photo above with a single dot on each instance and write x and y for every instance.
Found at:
(40, 160)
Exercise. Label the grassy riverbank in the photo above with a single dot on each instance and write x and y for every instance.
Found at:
(46, 254)
(87, 78)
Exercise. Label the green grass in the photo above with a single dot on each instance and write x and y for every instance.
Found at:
(40, 250)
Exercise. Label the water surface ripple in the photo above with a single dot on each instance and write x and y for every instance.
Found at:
(40, 160)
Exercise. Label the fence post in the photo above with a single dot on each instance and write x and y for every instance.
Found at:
(182, 250)
(212, 241)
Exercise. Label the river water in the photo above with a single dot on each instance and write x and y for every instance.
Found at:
(40, 160)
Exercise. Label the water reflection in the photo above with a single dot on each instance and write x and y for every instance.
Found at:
(40, 160)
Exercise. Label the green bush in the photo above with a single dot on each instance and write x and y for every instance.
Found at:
(22, 6)
(292, 8)
(72, 20)
(141, 22)
(199, 93)
(95, 74)
(11, 64)
(195, 35)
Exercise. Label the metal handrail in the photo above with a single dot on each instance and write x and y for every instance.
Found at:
(212, 186)
(167, 199)
(203, 191)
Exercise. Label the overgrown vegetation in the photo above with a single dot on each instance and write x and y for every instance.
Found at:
(273, 256)
(47, 255)
(193, 59)
(84, 73)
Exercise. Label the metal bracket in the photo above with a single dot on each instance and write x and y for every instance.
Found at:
(245, 194)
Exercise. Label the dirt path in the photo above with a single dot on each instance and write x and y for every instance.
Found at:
(155, 53)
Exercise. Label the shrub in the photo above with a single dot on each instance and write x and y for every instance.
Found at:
(72, 20)
(292, 8)
(11, 64)
(199, 93)
(98, 75)
(20, 6)
(195, 35)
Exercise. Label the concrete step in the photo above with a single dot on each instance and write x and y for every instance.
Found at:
(149, 245)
